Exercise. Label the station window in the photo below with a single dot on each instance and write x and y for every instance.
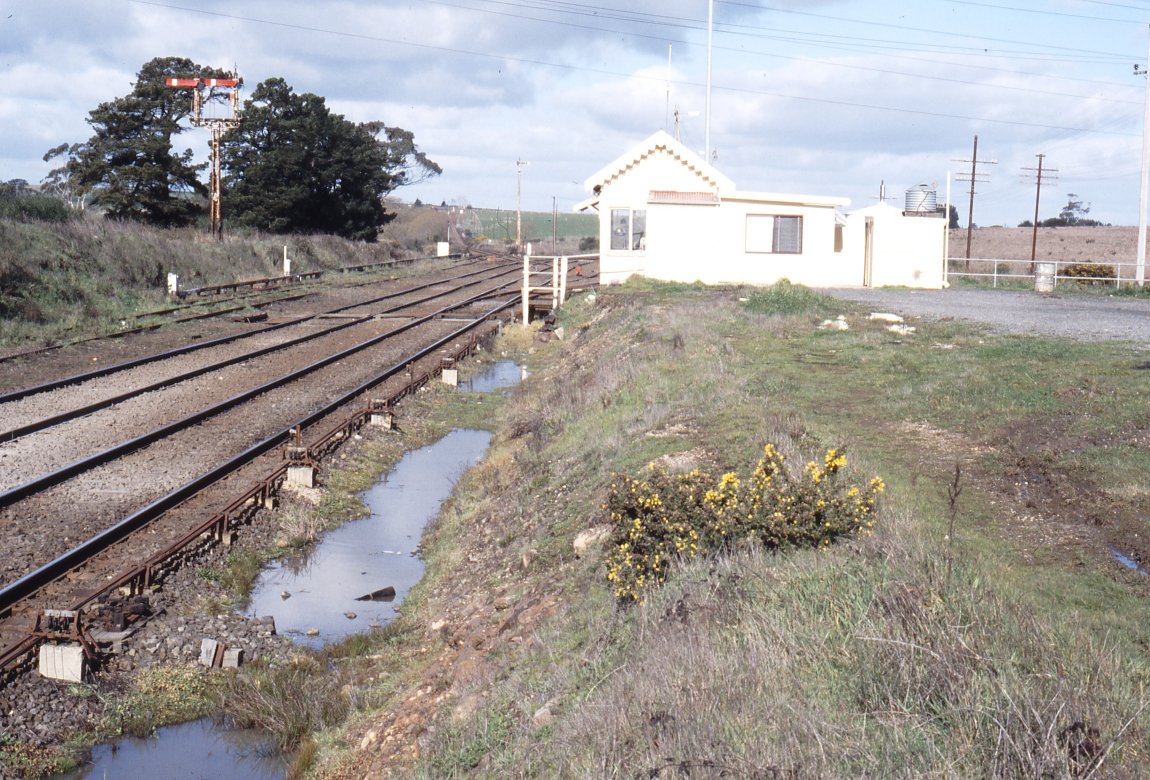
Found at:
(776, 234)
(628, 229)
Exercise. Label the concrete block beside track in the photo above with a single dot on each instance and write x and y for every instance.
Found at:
(62, 662)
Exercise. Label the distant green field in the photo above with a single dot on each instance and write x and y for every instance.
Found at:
(499, 224)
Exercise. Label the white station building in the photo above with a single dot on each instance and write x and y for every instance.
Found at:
(665, 213)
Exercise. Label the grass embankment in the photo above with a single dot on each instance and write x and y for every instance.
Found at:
(970, 636)
(83, 276)
(979, 632)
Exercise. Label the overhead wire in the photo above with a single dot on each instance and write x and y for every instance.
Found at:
(603, 71)
(1069, 135)
(1109, 55)
(1045, 12)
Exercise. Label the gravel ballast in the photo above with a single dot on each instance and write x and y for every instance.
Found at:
(1086, 318)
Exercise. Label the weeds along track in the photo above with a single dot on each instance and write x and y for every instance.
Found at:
(179, 445)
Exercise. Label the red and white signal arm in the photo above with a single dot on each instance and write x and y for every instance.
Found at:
(203, 82)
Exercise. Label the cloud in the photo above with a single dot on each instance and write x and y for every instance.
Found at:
(830, 99)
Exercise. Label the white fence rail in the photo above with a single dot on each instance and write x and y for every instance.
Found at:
(1026, 273)
(547, 274)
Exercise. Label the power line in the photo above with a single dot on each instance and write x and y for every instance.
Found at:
(1109, 55)
(603, 71)
(680, 22)
(817, 38)
(1053, 13)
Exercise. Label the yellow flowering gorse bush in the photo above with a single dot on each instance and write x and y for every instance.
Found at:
(662, 517)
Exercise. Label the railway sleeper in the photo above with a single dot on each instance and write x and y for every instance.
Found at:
(219, 531)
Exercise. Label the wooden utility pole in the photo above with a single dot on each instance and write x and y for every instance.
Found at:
(1040, 176)
(974, 177)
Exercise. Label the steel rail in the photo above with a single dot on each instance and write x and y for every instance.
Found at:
(145, 328)
(55, 384)
(215, 528)
(32, 582)
(48, 422)
(33, 486)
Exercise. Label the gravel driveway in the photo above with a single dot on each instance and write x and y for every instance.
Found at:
(1088, 318)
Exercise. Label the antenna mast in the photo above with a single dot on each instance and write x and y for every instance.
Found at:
(1144, 185)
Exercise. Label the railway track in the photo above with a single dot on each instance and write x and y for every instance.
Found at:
(253, 294)
(240, 453)
(12, 427)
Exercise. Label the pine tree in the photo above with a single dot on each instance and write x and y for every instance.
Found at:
(128, 167)
(296, 167)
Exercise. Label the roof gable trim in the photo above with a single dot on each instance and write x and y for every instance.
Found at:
(662, 143)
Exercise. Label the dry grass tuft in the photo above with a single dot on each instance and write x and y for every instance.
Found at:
(290, 701)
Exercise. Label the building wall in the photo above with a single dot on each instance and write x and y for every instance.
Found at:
(906, 251)
(709, 244)
(630, 189)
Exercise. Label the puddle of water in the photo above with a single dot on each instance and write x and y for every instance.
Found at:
(1127, 561)
(189, 751)
(360, 558)
(500, 374)
(369, 554)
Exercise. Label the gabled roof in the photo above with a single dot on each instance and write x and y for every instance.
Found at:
(660, 142)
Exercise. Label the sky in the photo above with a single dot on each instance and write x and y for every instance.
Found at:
(817, 97)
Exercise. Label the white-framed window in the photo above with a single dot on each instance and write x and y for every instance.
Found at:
(775, 234)
(628, 229)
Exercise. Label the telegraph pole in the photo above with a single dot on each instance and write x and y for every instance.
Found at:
(1039, 183)
(974, 177)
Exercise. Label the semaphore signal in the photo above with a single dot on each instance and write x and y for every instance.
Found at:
(203, 91)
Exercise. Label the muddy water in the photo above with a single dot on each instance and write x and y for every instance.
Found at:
(497, 376)
(320, 598)
(321, 591)
(188, 751)
(1127, 561)
(314, 599)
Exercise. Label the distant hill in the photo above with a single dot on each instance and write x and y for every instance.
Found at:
(499, 224)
